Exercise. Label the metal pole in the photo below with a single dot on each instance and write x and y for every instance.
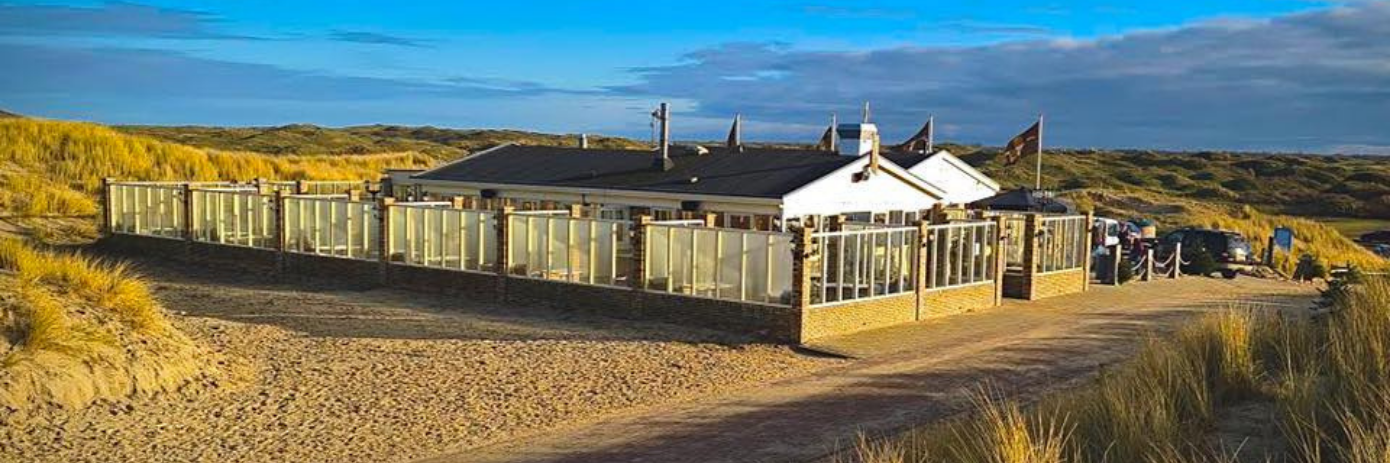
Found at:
(1038, 182)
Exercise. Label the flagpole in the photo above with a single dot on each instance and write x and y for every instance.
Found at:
(1038, 182)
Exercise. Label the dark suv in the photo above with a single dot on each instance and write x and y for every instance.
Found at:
(1229, 249)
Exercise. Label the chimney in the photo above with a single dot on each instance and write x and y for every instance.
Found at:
(583, 141)
(857, 139)
(834, 132)
(662, 161)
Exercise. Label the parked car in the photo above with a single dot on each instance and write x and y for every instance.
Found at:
(1381, 249)
(1230, 250)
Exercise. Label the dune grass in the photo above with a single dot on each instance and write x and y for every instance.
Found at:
(79, 330)
(1328, 379)
(54, 168)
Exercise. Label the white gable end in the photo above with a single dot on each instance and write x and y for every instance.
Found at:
(962, 183)
(839, 193)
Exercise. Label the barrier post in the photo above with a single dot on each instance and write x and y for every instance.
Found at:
(1116, 257)
(1177, 261)
(1149, 265)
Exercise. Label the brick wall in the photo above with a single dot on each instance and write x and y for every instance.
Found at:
(1058, 283)
(849, 317)
(471, 285)
(948, 301)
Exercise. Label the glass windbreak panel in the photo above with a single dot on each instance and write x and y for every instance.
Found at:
(682, 261)
(604, 239)
(658, 258)
(755, 280)
(730, 261)
(780, 271)
(706, 258)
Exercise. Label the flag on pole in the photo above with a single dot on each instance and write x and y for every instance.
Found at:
(827, 140)
(1026, 143)
(920, 141)
(735, 140)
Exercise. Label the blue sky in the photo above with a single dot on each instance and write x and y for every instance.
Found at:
(1246, 74)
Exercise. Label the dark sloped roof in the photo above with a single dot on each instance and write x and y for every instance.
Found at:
(754, 172)
(905, 159)
(1022, 199)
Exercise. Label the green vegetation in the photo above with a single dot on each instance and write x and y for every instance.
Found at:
(78, 330)
(1308, 185)
(1325, 382)
(310, 139)
(52, 168)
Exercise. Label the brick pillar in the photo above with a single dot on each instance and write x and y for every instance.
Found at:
(281, 242)
(710, 219)
(801, 279)
(1032, 224)
(458, 202)
(1089, 244)
(503, 263)
(107, 212)
(836, 223)
(383, 218)
(923, 264)
(187, 204)
(576, 210)
(638, 279)
(938, 213)
(1001, 259)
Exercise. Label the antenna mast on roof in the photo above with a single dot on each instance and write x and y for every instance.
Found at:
(834, 132)
(866, 112)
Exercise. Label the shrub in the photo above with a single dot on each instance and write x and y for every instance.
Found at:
(1125, 272)
(1309, 268)
(1198, 261)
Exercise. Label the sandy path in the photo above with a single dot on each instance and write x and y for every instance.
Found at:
(910, 375)
(331, 375)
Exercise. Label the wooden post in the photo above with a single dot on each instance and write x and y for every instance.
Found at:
(281, 236)
(801, 278)
(502, 261)
(924, 265)
(712, 219)
(458, 202)
(186, 194)
(107, 210)
(384, 208)
(576, 210)
(1001, 259)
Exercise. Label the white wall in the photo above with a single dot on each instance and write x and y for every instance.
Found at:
(960, 181)
(838, 193)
